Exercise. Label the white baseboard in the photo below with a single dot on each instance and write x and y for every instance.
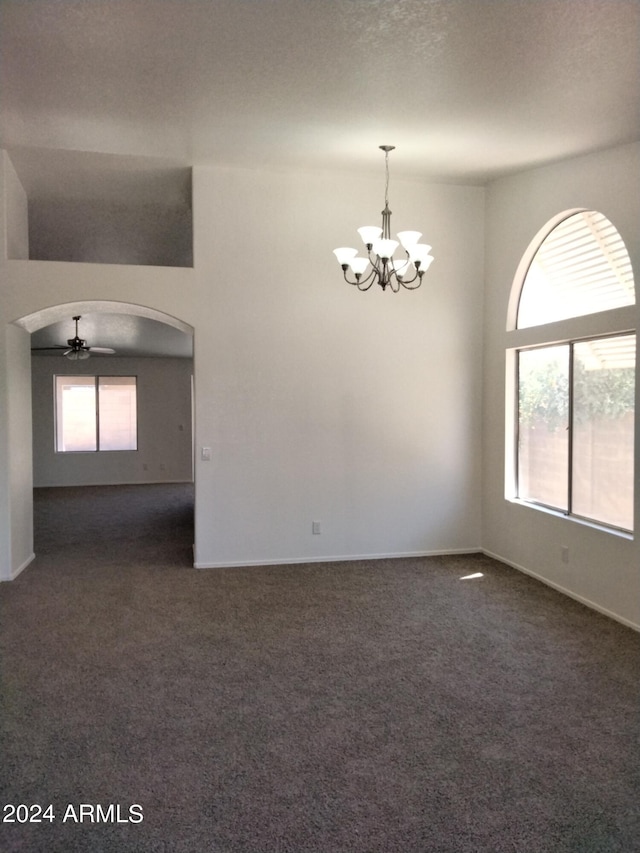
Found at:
(15, 572)
(587, 602)
(332, 558)
(351, 557)
(437, 553)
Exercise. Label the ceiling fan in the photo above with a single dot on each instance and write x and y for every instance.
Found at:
(77, 348)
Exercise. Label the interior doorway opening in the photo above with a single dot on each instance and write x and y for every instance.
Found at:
(155, 347)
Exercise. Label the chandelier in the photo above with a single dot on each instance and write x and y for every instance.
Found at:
(386, 270)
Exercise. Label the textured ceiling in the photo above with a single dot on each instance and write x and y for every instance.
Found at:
(466, 89)
(119, 96)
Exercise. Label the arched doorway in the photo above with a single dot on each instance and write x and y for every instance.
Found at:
(129, 320)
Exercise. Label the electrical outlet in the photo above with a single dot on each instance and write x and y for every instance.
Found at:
(564, 554)
(316, 528)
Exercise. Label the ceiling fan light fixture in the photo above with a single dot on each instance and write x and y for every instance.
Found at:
(77, 354)
(386, 270)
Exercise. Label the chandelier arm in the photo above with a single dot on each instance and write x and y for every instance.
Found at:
(406, 281)
(362, 284)
(374, 260)
(407, 284)
(374, 268)
(393, 283)
(378, 269)
(359, 282)
(374, 275)
(344, 273)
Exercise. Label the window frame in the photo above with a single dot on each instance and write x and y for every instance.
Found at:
(569, 511)
(613, 322)
(97, 377)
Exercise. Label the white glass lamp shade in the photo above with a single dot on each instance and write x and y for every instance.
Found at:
(344, 255)
(426, 263)
(400, 267)
(385, 248)
(358, 265)
(369, 234)
(409, 238)
(420, 252)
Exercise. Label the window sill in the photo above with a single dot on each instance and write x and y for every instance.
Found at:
(583, 522)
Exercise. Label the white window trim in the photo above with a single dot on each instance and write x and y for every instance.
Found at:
(96, 377)
(616, 321)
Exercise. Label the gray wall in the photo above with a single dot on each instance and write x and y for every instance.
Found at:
(110, 233)
(16, 209)
(164, 424)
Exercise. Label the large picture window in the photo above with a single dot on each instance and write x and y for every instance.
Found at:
(576, 428)
(575, 390)
(95, 413)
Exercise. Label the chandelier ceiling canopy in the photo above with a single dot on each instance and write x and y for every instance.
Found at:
(386, 270)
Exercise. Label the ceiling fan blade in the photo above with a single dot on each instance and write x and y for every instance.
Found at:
(42, 349)
(103, 350)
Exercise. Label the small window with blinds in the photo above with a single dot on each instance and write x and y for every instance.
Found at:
(582, 267)
(95, 413)
(574, 413)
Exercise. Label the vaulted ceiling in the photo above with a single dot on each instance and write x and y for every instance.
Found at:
(124, 94)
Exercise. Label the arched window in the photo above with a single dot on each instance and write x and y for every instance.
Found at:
(574, 373)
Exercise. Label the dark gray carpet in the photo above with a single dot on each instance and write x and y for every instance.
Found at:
(369, 706)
